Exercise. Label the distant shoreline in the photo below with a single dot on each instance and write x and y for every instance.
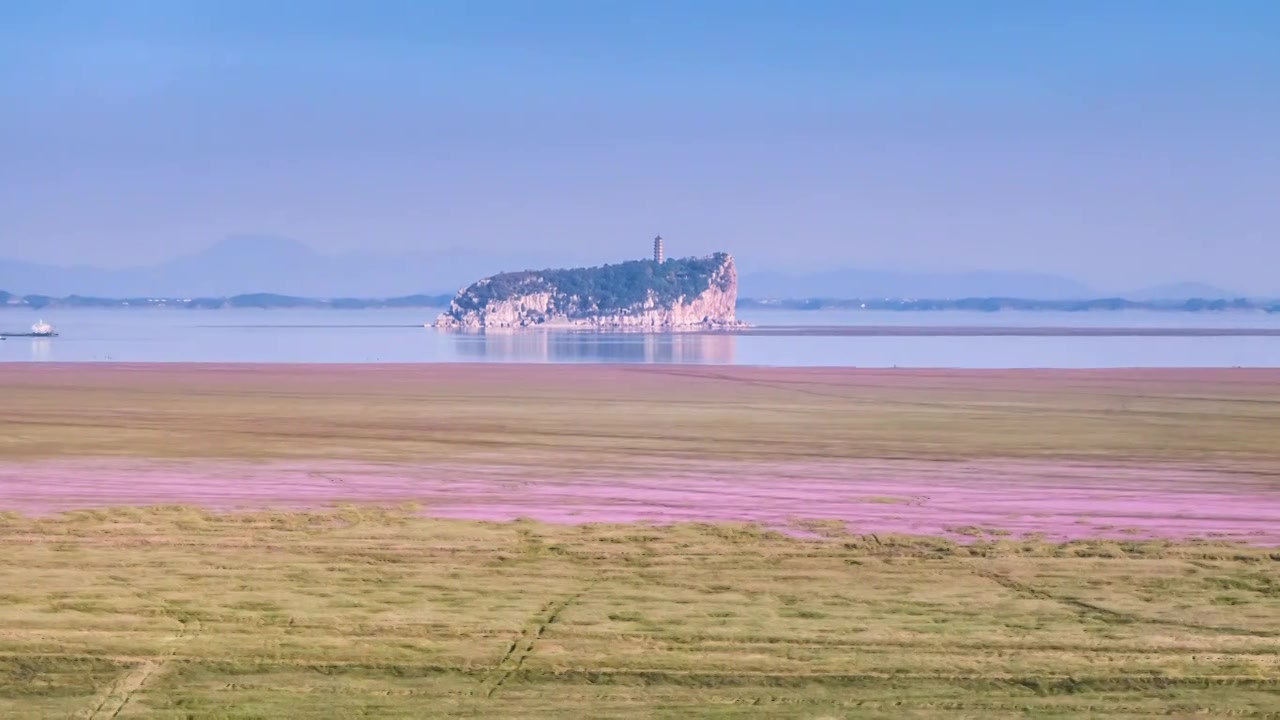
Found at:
(425, 302)
(984, 331)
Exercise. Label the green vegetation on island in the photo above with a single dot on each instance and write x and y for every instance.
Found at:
(605, 289)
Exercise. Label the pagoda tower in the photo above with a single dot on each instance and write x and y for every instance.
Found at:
(658, 255)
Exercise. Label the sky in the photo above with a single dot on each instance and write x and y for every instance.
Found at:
(1119, 142)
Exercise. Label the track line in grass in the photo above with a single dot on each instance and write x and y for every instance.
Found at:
(522, 647)
(1107, 615)
(122, 691)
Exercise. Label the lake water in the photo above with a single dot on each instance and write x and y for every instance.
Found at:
(356, 336)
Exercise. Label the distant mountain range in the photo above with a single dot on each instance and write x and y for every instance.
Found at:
(889, 284)
(901, 285)
(246, 265)
(1180, 291)
(264, 265)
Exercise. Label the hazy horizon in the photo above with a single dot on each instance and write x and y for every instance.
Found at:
(255, 264)
(1121, 145)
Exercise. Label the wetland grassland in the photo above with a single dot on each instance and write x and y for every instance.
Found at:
(390, 606)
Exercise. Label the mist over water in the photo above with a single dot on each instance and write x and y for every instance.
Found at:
(311, 336)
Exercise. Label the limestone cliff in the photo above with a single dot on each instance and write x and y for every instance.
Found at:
(688, 293)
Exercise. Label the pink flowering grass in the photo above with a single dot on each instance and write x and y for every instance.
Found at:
(1067, 454)
(962, 499)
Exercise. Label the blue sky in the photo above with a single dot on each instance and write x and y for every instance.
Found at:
(1123, 143)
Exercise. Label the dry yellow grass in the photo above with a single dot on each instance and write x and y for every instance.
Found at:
(179, 613)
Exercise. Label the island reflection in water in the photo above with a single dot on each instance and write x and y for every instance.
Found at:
(588, 347)
(41, 349)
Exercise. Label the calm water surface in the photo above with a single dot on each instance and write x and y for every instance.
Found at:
(351, 336)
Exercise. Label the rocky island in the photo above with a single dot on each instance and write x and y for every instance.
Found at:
(672, 294)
